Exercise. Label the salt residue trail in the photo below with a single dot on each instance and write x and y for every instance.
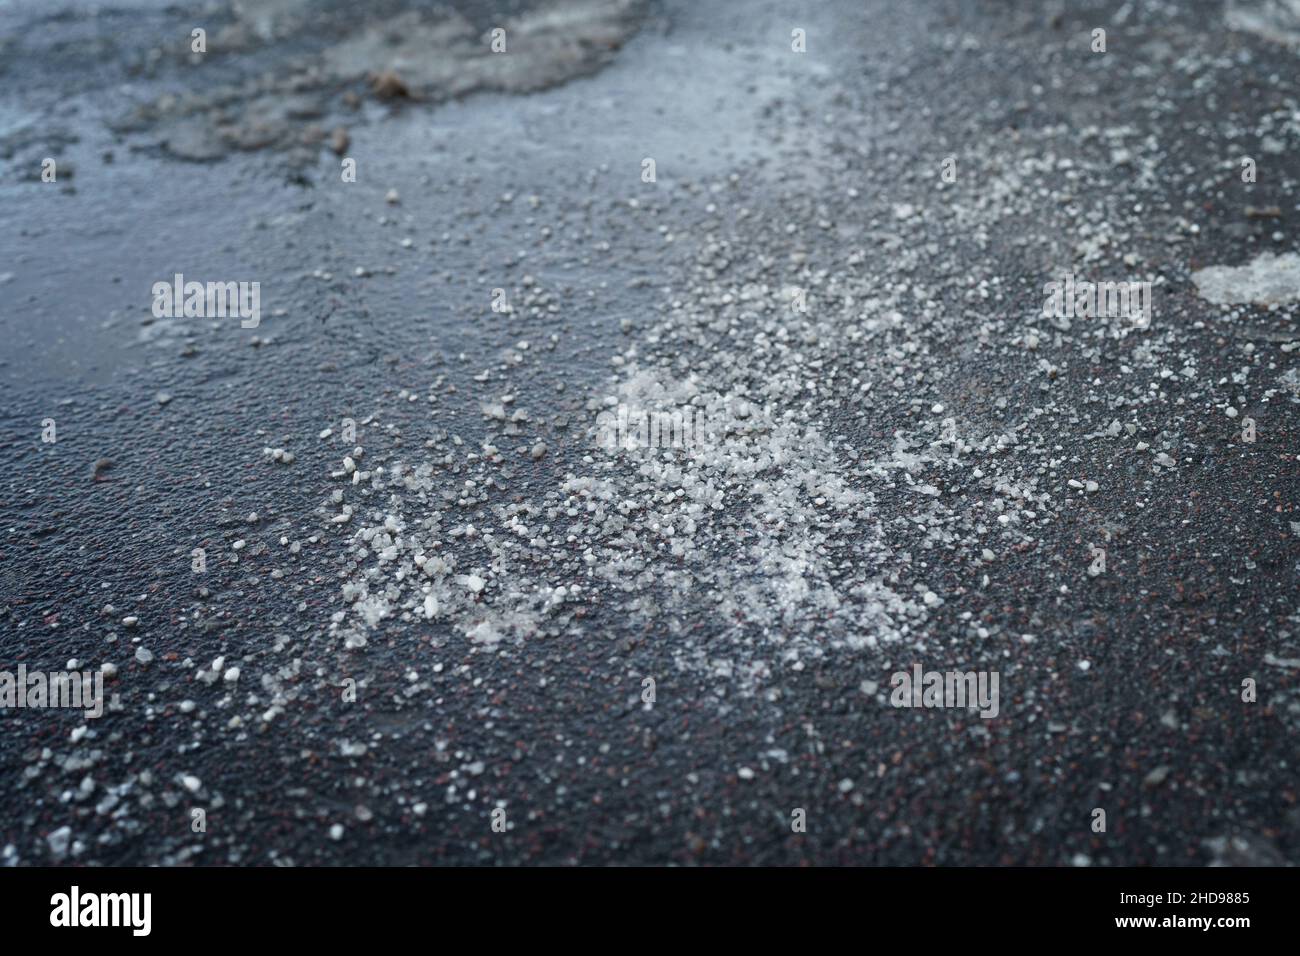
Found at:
(755, 549)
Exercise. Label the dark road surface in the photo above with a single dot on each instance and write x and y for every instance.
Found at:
(386, 646)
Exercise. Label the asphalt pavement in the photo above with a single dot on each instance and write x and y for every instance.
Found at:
(369, 583)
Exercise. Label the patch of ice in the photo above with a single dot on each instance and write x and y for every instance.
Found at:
(1266, 280)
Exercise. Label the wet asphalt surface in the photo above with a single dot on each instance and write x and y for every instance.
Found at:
(1121, 691)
